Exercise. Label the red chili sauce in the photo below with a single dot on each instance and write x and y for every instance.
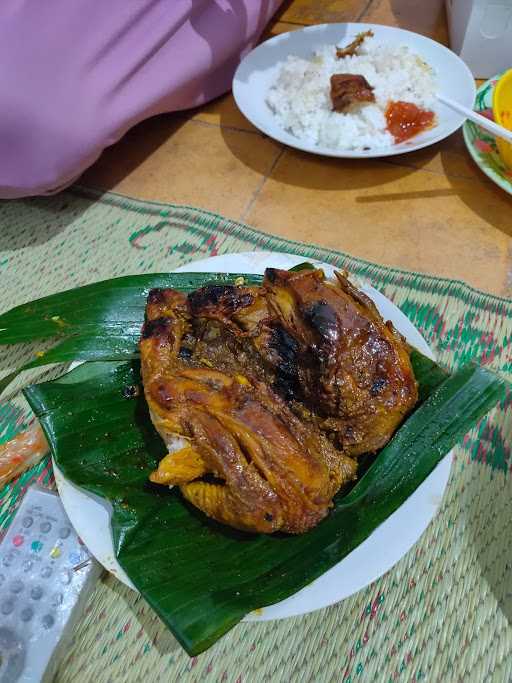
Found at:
(405, 120)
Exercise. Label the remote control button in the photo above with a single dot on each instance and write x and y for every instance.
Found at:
(17, 586)
(7, 607)
(26, 614)
(8, 559)
(36, 546)
(48, 621)
(64, 532)
(18, 540)
(27, 565)
(65, 577)
(36, 593)
(74, 558)
(55, 552)
(45, 527)
(46, 572)
(27, 522)
(57, 599)
(13, 655)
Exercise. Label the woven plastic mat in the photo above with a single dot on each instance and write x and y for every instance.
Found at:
(443, 613)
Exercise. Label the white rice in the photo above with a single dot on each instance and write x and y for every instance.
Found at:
(300, 95)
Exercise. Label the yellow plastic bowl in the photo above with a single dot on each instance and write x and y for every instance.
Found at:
(502, 111)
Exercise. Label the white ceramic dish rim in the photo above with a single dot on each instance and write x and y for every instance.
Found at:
(457, 72)
(90, 514)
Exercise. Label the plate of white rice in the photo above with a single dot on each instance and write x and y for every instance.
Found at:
(284, 88)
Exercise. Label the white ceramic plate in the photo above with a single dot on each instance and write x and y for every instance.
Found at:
(90, 515)
(258, 70)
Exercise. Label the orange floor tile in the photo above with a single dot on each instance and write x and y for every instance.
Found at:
(432, 210)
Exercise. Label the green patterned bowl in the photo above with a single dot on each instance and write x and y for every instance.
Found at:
(482, 145)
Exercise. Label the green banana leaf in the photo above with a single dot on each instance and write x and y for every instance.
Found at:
(101, 321)
(201, 577)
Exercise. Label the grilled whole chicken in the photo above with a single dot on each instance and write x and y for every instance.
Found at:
(272, 390)
(247, 459)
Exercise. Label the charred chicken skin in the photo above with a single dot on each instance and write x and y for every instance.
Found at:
(273, 391)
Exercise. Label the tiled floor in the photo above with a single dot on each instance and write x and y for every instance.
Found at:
(431, 211)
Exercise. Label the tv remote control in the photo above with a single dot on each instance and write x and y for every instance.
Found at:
(46, 575)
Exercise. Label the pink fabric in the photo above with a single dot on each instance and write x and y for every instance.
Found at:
(75, 75)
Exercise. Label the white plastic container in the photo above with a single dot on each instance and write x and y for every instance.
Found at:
(481, 34)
